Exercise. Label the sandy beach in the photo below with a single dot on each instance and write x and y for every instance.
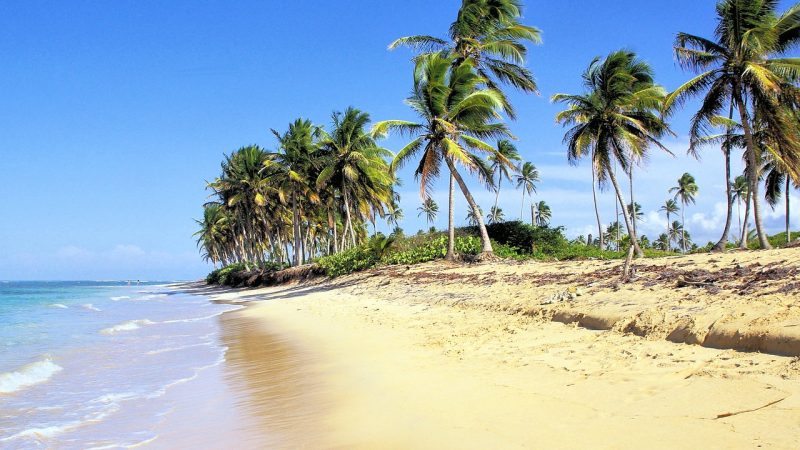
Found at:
(527, 355)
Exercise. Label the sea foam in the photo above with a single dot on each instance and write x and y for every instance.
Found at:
(129, 325)
(28, 375)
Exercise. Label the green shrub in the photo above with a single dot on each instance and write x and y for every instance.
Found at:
(527, 239)
(356, 259)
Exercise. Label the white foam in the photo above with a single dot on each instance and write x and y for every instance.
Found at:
(28, 375)
(90, 307)
(175, 349)
(129, 325)
(59, 305)
(121, 297)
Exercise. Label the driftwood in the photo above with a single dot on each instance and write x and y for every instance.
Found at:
(683, 282)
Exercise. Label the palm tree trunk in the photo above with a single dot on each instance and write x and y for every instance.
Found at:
(639, 252)
(752, 172)
(486, 242)
(596, 209)
(788, 191)
(668, 231)
(743, 241)
(522, 206)
(451, 226)
(497, 195)
(298, 254)
(631, 232)
(683, 227)
(721, 245)
(739, 213)
(349, 224)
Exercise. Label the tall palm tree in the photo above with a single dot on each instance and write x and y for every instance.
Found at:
(292, 169)
(686, 190)
(488, 33)
(543, 214)
(740, 190)
(616, 121)
(744, 62)
(355, 167)
(778, 184)
(430, 209)
(502, 164)
(526, 179)
(495, 215)
(670, 207)
(456, 112)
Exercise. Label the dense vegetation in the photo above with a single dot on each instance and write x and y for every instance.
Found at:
(315, 198)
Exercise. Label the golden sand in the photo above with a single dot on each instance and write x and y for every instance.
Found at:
(446, 356)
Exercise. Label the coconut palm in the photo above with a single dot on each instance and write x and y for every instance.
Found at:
(778, 184)
(740, 190)
(616, 121)
(543, 214)
(394, 215)
(502, 164)
(686, 190)
(473, 216)
(214, 233)
(744, 62)
(355, 167)
(677, 234)
(292, 171)
(635, 211)
(488, 33)
(526, 179)
(669, 208)
(614, 234)
(430, 209)
(495, 215)
(456, 112)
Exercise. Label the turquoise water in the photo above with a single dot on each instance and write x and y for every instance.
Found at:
(86, 364)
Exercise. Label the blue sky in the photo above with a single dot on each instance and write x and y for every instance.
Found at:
(114, 114)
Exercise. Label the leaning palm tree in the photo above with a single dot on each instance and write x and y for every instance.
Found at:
(495, 215)
(502, 164)
(456, 112)
(744, 62)
(488, 33)
(616, 121)
(543, 214)
(526, 179)
(669, 208)
(430, 209)
(686, 190)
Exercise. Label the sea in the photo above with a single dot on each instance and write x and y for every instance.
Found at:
(89, 364)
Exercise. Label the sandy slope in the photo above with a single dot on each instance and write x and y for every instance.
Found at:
(440, 356)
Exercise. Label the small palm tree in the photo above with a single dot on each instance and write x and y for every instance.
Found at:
(740, 190)
(526, 179)
(670, 207)
(686, 190)
(394, 215)
(495, 215)
(502, 164)
(635, 211)
(677, 234)
(473, 216)
(542, 214)
(430, 209)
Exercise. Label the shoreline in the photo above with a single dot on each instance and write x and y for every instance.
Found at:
(438, 355)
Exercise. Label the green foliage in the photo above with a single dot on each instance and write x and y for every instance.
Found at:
(524, 238)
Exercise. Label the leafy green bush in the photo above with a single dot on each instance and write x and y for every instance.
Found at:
(356, 259)
(527, 239)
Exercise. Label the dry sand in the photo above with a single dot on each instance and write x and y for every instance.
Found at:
(445, 356)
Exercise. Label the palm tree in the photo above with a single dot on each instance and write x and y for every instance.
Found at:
(526, 179)
(473, 216)
(677, 234)
(778, 183)
(394, 215)
(663, 243)
(744, 63)
(430, 209)
(740, 190)
(686, 190)
(292, 169)
(614, 234)
(502, 164)
(670, 207)
(635, 211)
(543, 214)
(355, 167)
(488, 33)
(495, 215)
(616, 120)
(456, 113)
(214, 233)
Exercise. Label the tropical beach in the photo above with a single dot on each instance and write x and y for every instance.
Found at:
(470, 224)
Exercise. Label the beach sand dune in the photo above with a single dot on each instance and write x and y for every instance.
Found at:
(445, 356)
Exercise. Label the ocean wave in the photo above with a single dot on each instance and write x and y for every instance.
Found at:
(175, 349)
(121, 297)
(129, 325)
(28, 375)
(59, 305)
(90, 307)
